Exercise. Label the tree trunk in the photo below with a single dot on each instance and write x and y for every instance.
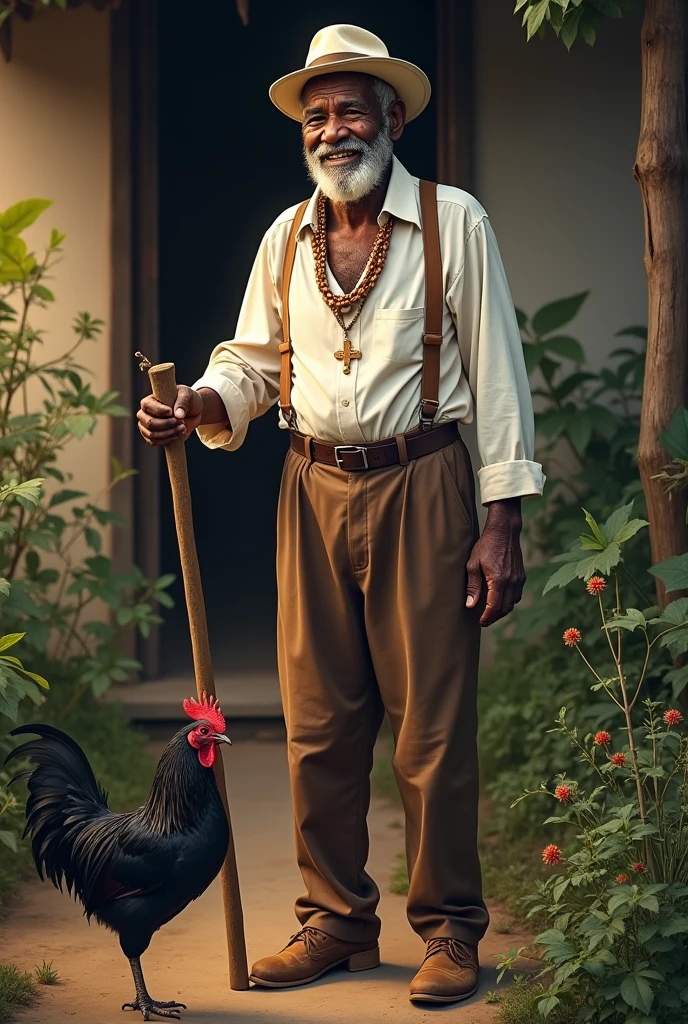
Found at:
(661, 170)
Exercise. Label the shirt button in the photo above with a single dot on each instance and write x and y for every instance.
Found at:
(345, 309)
(345, 401)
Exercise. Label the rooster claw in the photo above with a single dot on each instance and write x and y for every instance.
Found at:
(159, 1009)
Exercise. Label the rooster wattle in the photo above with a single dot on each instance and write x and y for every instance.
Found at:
(134, 871)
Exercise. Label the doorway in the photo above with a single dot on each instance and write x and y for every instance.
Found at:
(229, 163)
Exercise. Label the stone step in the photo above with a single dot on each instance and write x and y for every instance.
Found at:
(241, 695)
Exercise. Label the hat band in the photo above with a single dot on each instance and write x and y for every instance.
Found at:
(329, 58)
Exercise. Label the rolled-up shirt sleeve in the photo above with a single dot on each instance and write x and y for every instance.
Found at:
(492, 357)
(245, 371)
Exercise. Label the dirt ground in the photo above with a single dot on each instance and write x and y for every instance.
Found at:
(187, 958)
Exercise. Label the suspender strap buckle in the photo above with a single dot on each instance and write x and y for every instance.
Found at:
(428, 409)
(432, 339)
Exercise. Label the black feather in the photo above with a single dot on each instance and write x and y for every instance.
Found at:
(132, 871)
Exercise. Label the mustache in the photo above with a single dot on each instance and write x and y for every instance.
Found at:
(351, 145)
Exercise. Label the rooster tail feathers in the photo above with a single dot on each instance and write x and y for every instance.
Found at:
(64, 796)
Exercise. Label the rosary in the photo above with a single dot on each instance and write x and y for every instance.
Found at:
(373, 269)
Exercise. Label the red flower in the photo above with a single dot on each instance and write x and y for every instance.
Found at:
(551, 855)
(563, 793)
(673, 717)
(595, 585)
(639, 867)
(618, 759)
(622, 879)
(602, 738)
(571, 636)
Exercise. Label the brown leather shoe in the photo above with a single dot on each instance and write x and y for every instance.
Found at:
(448, 973)
(310, 953)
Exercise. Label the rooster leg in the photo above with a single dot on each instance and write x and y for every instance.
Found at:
(145, 1003)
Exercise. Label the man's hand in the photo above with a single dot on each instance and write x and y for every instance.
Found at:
(160, 425)
(496, 562)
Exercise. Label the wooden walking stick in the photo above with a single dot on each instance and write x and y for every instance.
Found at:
(164, 385)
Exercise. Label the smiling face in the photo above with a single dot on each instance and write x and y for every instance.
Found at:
(347, 135)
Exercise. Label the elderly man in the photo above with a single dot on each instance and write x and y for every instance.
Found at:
(378, 314)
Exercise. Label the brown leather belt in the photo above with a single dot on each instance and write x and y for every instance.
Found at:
(375, 454)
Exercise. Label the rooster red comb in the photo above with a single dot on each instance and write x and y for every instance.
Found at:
(209, 710)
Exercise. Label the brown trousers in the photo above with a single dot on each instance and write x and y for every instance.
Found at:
(371, 571)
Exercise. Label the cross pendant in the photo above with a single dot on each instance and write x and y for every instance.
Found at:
(347, 354)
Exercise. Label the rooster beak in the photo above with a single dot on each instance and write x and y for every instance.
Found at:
(220, 737)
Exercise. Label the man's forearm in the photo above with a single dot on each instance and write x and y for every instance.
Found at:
(504, 511)
(214, 410)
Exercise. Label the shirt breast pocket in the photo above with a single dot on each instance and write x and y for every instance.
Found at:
(398, 334)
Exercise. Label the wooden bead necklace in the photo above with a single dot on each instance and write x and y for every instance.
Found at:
(373, 269)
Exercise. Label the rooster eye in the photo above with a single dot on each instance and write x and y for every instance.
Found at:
(203, 731)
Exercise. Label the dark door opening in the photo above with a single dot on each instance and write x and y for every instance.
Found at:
(229, 163)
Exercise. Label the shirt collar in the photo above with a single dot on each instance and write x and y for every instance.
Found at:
(401, 200)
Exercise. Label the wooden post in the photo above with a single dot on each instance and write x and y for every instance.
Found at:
(164, 386)
(661, 169)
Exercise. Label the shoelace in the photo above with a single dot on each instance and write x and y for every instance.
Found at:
(460, 952)
(310, 939)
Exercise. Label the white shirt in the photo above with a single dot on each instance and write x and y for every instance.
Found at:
(482, 370)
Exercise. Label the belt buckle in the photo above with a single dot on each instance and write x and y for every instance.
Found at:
(349, 449)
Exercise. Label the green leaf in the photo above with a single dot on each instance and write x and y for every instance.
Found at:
(579, 431)
(631, 620)
(587, 30)
(570, 28)
(676, 613)
(545, 1006)
(561, 577)
(617, 521)
(556, 314)
(673, 572)
(56, 238)
(676, 926)
(80, 424)
(9, 839)
(20, 216)
(568, 348)
(630, 530)
(675, 437)
(535, 17)
(59, 497)
(533, 353)
(10, 640)
(93, 539)
(41, 292)
(632, 332)
(596, 531)
(4, 586)
(678, 678)
(637, 992)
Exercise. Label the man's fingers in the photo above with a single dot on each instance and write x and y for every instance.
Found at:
(474, 583)
(181, 406)
(152, 407)
(494, 608)
(157, 426)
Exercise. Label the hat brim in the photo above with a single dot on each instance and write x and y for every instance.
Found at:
(411, 84)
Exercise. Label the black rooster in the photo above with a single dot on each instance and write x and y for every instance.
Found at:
(135, 871)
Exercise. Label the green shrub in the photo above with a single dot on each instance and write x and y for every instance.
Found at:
(17, 989)
(618, 904)
(587, 428)
(58, 606)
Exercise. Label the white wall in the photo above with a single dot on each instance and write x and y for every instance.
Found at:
(556, 140)
(55, 143)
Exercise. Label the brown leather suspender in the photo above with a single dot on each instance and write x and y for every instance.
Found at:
(434, 309)
(285, 347)
(434, 304)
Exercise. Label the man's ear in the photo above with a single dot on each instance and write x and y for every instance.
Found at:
(397, 114)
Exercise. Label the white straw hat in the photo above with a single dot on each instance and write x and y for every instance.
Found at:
(350, 48)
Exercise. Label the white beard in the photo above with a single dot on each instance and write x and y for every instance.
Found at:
(348, 184)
